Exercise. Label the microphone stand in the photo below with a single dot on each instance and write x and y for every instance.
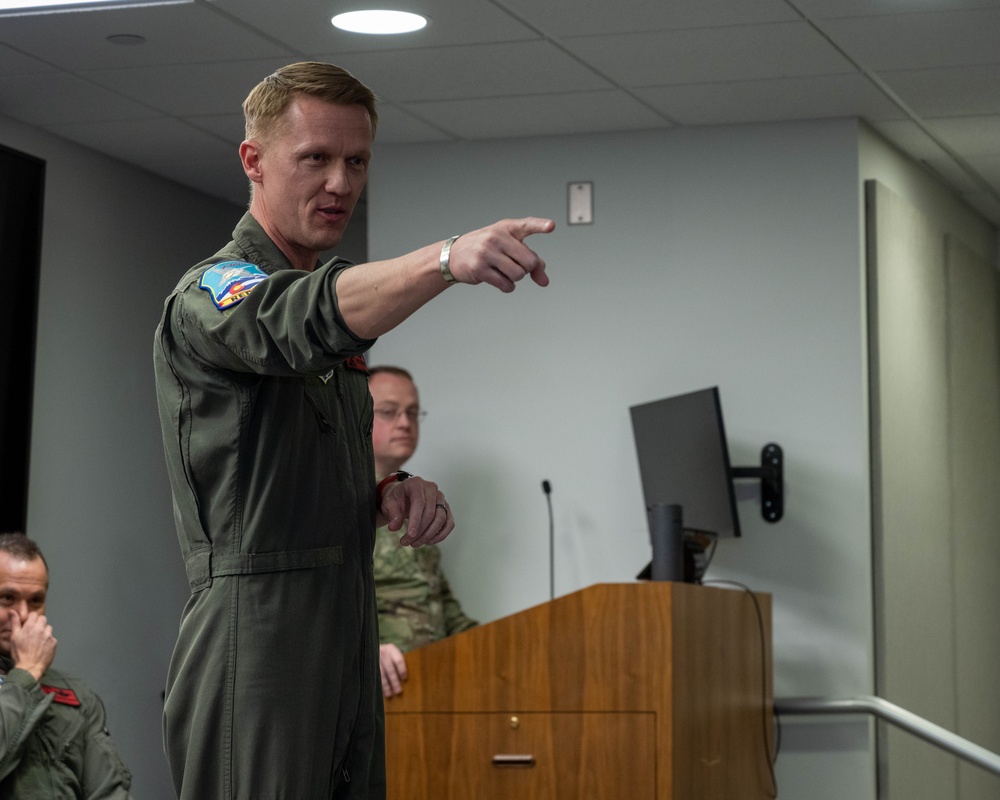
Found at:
(547, 488)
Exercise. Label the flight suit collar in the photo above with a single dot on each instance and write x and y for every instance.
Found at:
(257, 247)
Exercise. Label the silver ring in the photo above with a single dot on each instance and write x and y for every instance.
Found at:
(442, 505)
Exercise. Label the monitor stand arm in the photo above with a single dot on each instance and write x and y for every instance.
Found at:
(772, 481)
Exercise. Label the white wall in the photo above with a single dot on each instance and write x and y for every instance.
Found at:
(719, 256)
(115, 241)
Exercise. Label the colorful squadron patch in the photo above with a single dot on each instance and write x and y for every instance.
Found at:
(230, 282)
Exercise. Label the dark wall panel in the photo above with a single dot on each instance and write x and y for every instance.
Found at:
(22, 180)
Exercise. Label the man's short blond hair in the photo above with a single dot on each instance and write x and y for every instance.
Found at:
(265, 106)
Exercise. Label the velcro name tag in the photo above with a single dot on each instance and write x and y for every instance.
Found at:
(229, 282)
(59, 695)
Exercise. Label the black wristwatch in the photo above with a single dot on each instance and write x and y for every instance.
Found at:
(392, 477)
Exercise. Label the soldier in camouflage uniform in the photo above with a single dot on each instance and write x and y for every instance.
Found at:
(415, 603)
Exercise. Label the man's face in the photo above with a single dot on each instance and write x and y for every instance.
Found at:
(397, 420)
(308, 175)
(23, 585)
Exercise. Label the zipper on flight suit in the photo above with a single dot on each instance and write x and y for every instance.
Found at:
(366, 610)
(324, 423)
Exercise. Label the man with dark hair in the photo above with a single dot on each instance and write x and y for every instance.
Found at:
(53, 738)
(415, 603)
(262, 389)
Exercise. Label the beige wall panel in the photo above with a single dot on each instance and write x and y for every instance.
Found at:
(974, 371)
(911, 497)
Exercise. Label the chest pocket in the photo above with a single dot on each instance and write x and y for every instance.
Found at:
(342, 409)
(342, 405)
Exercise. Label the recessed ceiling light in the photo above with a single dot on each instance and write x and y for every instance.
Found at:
(129, 39)
(379, 21)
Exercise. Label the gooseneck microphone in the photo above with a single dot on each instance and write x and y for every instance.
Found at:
(547, 488)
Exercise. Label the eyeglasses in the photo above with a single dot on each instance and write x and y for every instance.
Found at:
(414, 415)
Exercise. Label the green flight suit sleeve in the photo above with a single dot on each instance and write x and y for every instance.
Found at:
(22, 705)
(105, 776)
(289, 324)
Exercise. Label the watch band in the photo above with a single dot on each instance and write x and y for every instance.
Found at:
(392, 477)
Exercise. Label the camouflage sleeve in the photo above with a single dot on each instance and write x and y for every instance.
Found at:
(415, 603)
(455, 620)
(405, 613)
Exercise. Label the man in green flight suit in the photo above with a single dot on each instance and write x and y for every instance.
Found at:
(415, 603)
(54, 741)
(272, 691)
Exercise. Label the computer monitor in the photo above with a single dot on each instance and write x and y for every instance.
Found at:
(684, 460)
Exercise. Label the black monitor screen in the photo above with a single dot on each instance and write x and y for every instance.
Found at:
(684, 460)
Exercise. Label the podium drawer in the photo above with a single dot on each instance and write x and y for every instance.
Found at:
(530, 756)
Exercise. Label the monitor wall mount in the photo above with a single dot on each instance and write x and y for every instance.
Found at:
(771, 473)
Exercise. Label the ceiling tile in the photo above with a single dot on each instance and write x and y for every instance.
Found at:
(175, 34)
(189, 89)
(912, 41)
(14, 62)
(986, 204)
(398, 126)
(909, 137)
(834, 9)
(989, 167)
(52, 98)
(465, 72)
(305, 25)
(540, 115)
(559, 18)
(973, 136)
(711, 54)
(954, 92)
(957, 175)
(146, 140)
(823, 96)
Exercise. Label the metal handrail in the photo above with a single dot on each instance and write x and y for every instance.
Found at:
(899, 717)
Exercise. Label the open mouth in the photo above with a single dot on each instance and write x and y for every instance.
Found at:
(333, 212)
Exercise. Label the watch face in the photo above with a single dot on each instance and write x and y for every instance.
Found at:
(402, 476)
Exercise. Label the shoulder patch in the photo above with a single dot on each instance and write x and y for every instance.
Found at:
(229, 282)
(59, 695)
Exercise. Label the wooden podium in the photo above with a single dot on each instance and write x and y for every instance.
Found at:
(616, 692)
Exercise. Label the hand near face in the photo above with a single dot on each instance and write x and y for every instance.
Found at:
(32, 645)
(497, 254)
(421, 504)
(392, 667)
